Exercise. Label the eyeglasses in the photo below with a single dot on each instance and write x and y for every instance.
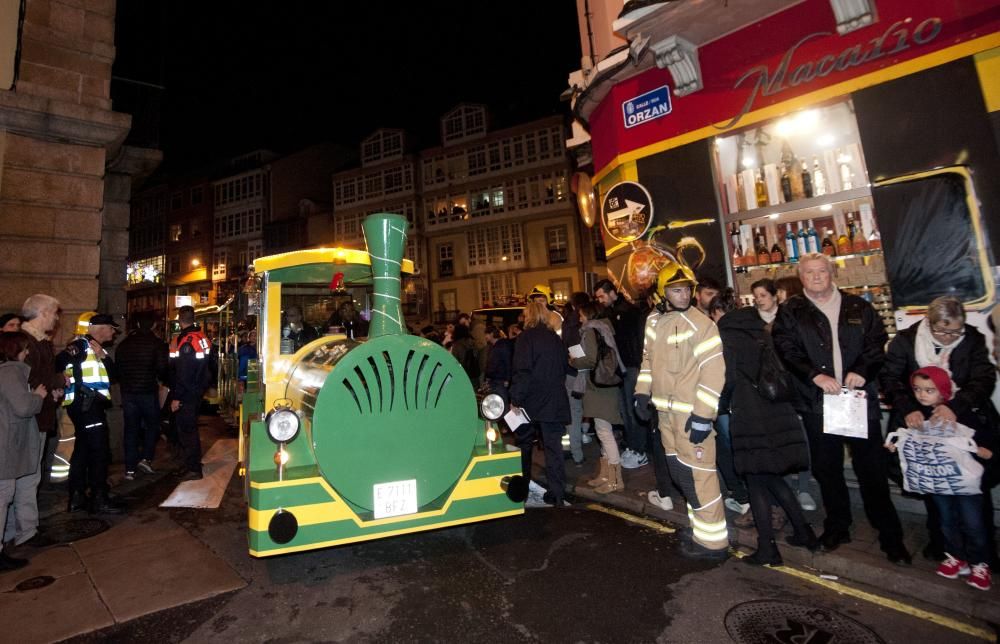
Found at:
(956, 333)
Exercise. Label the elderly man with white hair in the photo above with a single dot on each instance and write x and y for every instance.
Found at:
(829, 339)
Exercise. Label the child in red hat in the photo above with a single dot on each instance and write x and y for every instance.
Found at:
(962, 521)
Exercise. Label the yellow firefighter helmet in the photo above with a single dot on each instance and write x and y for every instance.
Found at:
(673, 273)
(83, 322)
(541, 290)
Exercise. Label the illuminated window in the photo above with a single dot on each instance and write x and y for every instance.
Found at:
(557, 244)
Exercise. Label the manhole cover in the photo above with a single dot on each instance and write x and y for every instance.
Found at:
(75, 529)
(780, 622)
(34, 583)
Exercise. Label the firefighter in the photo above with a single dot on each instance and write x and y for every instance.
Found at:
(681, 377)
(87, 368)
(190, 374)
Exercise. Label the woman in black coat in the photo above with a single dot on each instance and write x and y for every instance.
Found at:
(539, 388)
(943, 339)
(768, 439)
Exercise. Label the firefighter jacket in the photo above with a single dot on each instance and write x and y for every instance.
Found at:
(682, 370)
(79, 357)
(190, 371)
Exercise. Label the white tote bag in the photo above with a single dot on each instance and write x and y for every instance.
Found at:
(937, 458)
(846, 413)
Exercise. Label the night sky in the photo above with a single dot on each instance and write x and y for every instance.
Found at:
(282, 75)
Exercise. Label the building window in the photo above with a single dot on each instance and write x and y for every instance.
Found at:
(446, 260)
(174, 264)
(177, 201)
(447, 309)
(197, 195)
(220, 261)
(557, 244)
(495, 246)
(598, 241)
(176, 230)
(195, 225)
(496, 289)
(561, 289)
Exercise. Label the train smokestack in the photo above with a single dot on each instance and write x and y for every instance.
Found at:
(385, 236)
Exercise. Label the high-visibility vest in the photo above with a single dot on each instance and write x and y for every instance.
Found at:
(94, 376)
(202, 347)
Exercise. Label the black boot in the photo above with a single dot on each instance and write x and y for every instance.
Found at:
(804, 539)
(77, 501)
(767, 555)
(11, 563)
(104, 504)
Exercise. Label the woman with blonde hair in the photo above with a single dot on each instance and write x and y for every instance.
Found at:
(538, 388)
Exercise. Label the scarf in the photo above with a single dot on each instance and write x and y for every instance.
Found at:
(928, 352)
(768, 317)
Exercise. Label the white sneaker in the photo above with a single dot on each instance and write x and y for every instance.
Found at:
(662, 502)
(736, 506)
(806, 501)
(633, 460)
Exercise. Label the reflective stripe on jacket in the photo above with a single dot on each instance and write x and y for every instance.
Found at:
(94, 375)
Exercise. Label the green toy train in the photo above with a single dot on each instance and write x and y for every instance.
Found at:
(346, 440)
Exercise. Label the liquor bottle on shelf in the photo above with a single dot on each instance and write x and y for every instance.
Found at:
(800, 241)
(777, 254)
(875, 240)
(741, 195)
(807, 182)
(858, 242)
(786, 183)
(791, 244)
(763, 255)
(760, 188)
(812, 239)
(828, 247)
(734, 236)
(750, 255)
(845, 170)
(843, 241)
(819, 179)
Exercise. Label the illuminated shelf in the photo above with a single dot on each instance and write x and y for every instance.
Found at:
(790, 212)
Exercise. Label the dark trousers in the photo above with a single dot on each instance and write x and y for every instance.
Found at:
(963, 527)
(869, 462)
(724, 460)
(187, 433)
(142, 427)
(89, 463)
(934, 520)
(762, 489)
(635, 431)
(555, 468)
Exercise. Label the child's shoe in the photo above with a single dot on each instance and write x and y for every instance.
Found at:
(951, 568)
(980, 577)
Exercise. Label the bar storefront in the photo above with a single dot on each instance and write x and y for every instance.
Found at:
(877, 143)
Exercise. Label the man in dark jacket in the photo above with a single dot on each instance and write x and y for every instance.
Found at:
(828, 340)
(628, 324)
(498, 362)
(142, 366)
(189, 378)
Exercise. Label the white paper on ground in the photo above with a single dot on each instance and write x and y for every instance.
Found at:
(576, 351)
(515, 418)
(217, 467)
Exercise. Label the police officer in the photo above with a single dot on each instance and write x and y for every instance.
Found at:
(88, 368)
(681, 376)
(189, 378)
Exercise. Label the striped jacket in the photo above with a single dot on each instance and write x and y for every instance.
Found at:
(682, 370)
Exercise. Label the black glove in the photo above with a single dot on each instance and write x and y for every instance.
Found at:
(642, 409)
(697, 428)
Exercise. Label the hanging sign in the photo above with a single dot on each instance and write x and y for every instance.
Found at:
(627, 211)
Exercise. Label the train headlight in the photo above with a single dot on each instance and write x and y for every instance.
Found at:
(282, 425)
(492, 407)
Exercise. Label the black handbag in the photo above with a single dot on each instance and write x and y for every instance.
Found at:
(773, 381)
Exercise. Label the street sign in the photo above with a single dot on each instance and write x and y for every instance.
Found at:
(627, 211)
(646, 107)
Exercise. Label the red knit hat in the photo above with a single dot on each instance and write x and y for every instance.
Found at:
(940, 378)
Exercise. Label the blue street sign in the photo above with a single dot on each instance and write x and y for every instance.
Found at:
(646, 107)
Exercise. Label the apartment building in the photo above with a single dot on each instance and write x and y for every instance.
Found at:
(499, 216)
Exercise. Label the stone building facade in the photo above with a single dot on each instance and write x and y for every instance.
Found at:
(65, 172)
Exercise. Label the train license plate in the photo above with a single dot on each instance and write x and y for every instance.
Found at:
(395, 499)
